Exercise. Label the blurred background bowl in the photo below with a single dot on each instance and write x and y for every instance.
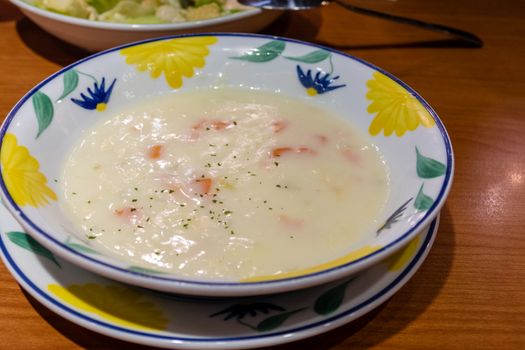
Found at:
(96, 35)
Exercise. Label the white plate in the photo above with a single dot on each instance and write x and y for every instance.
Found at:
(164, 320)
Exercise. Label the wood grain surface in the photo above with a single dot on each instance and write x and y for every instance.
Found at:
(470, 292)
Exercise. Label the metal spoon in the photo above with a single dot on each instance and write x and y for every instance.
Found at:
(470, 38)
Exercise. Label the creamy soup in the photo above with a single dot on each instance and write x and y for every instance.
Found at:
(225, 184)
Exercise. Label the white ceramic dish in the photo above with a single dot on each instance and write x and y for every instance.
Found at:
(167, 321)
(41, 128)
(96, 36)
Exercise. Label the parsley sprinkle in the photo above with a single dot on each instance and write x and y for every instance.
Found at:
(234, 122)
(171, 191)
(133, 209)
(139, 226)
(276, 163)
(136, 189)
(133, 200)
(278, 186)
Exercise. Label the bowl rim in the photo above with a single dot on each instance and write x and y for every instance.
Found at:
(82, 22)
(219, 288)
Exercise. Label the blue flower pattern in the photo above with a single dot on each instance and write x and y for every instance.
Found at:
(98, 97)
(318, 84)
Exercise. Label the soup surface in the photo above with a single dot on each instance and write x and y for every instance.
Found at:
(225, 184)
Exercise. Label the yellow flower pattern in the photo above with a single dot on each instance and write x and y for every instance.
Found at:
(396, 109)
(402, 257)
(175, 58)
(354, 255)
(117, 304)
(26, 184)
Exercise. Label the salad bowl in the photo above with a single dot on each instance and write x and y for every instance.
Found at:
(97, 35)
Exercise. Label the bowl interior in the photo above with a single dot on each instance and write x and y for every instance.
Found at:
(45, 124)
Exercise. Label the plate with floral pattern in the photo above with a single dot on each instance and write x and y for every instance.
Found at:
(44, 125)
(166, 320)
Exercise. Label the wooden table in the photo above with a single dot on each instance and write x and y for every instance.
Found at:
(470, 292)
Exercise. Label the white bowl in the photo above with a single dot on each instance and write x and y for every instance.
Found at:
(41, 129)
(96, 36)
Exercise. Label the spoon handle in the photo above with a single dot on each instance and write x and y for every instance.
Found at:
(460, 34)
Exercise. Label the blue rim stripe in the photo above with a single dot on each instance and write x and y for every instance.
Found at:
(433, 209)
(431, 232)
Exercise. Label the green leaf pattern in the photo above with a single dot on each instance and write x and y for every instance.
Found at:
(312, 57)
(27, 242)
(422, 202)
(332, 299)
(44, 111)
(70, 80)
(144, 270)
(81, 248)
(428, 168)
(264, 53)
